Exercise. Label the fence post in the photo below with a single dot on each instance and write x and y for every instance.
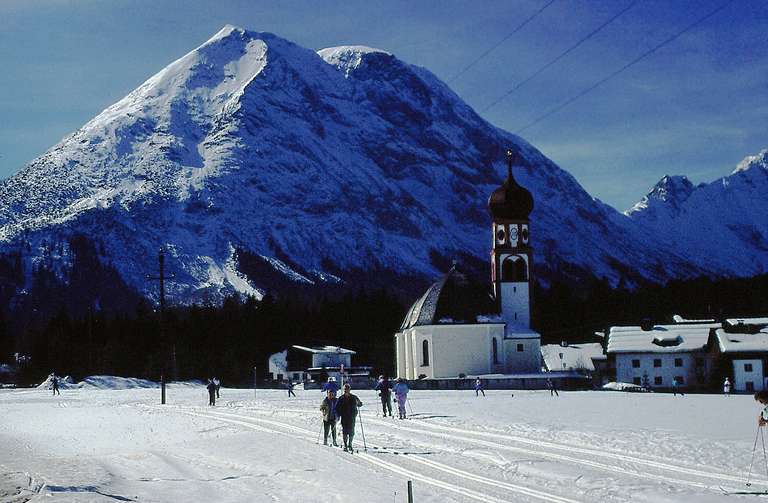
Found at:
(162, 389)
(410, 492)
(254, 383)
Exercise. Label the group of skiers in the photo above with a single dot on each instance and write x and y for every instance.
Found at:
(385, 388)
(344, 408)
(213, 387)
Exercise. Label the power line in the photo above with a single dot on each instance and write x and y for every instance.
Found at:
(625, 67)
(488, 51)
(561, 56)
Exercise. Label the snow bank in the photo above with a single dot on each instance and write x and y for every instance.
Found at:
(622, 386)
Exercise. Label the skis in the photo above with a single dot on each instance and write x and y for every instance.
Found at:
(744, 491)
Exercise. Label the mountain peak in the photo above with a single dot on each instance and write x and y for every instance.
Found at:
(759, 160)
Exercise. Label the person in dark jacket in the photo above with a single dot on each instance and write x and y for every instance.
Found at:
(328, 408)
(290, 390)
(55, 384)
(331, 385)
(384, 387)
(346, 408)
(211, 392)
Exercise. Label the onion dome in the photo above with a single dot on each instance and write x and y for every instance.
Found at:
(510, 201)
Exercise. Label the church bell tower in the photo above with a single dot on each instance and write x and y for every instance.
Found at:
(511, 255)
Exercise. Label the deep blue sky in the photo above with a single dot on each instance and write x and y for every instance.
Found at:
(696, 107)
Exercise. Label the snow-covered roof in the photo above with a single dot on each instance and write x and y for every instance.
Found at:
(660, 338)
(574, 356)
(326, 349)
(742, 343)
(679, 319)
(763, 320)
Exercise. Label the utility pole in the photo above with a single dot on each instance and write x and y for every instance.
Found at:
(161, 277)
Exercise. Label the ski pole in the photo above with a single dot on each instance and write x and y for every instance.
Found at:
(362, 429)
(754, 447)
(410, 407)
(765, 456)
(319, 433)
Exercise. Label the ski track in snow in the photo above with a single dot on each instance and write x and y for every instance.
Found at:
(455, 449)
(467, 436)
(422, 477)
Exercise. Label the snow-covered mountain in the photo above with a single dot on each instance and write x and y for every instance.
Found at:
(251, 157)
(722, 226)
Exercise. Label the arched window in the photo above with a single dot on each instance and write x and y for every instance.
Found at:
(514, 269)
(495, 351)
(425, 353)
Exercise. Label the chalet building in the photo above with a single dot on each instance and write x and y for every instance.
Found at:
(740, 350)
(316, 364)
(453, 330)
(585, 358)
(653, 355)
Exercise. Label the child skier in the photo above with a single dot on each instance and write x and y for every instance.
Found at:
(55, 384)
(328, 408)
(401, 393)
(479, 387)
(211, 392)
(727, 387)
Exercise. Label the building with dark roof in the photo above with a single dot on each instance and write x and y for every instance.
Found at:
(456, 328)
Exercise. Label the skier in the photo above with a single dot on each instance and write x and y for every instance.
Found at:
(762, 398)
(479, 387)
(55, 384)
(330, 416)
(552, 388)
(727, 387)
(346, 408)
(211, 392)
(384, 387)
(675, 389)
(401, 394)
(331, 385)
(290, 389)
(217, 383)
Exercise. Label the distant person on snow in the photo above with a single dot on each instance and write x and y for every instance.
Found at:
(384, 387)
(290, 389)
(331, 385)
(346, 408)
(217, 383)
(55, 384)
(552, 388)
(727, 387)
(211, 392)
(675, 387)
(479, 387)
(401, 394)
(762, 397)
(330, 416)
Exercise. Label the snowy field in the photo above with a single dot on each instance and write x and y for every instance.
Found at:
(95, 445)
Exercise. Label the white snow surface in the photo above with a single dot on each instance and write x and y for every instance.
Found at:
(319, 162)
(92, 445)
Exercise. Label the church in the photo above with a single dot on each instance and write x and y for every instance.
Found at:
(454, 329)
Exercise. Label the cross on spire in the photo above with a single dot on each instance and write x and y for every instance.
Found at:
(511, 156)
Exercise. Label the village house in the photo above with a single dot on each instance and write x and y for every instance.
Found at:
(653, 355)
(316, 364)
(740, 350)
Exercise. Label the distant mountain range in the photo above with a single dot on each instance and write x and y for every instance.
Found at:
(260, 164)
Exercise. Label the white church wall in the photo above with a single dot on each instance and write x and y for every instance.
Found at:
(462, 349)
(526, 361)
(400, 354)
